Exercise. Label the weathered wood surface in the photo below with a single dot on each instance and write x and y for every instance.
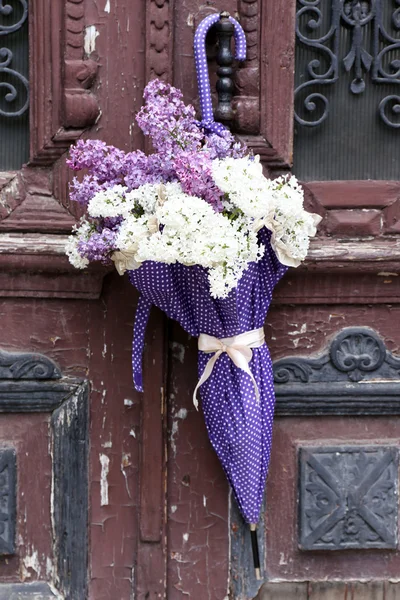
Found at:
(378, 590)
(198, 494)
(27, 591)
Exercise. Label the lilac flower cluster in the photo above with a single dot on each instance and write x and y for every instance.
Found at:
(195, 176)
(98, 246)
(183, 152)
(168, 121)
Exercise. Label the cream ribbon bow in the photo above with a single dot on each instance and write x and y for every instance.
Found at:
(238, 348)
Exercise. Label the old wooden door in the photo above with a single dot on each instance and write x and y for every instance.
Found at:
(317, 96)
(107, 494)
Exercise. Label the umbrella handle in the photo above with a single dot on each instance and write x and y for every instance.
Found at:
(256, 553)
(203, 80)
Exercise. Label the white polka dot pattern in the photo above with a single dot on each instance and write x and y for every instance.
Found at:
(203, 80)
(239, 426)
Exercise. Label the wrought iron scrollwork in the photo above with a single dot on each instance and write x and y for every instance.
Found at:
(377, 57)
(14, 85)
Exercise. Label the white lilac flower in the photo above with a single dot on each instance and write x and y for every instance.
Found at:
(291, 229)
(80, 232)
(193, 233)
(110, 203)
(242, 180)
(131, 230)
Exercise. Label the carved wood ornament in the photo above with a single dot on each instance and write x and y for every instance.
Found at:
(62, 107)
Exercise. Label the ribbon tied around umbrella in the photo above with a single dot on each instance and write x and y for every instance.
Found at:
(237, 347)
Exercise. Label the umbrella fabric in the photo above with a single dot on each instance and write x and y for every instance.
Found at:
(239, 426)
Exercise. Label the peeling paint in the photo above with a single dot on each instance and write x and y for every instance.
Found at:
(50, 571)
(178, 351)
(126, 462)
(105, 467)
(107, 7)
(30, 561)
(128, 402)
(91, 34)
(190, 20)
(174, 508)
(174, 431)
(185, 537)
(282, 560)
(300, 331)
(181, 414)
(132, 433)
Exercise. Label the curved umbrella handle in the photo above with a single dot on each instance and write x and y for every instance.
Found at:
(203, 80)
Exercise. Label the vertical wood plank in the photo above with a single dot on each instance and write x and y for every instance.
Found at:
(392, 591)
(152, 554)
(283, 591)
(367, 591)
(277, 84)
(152, 446)
(327, 591)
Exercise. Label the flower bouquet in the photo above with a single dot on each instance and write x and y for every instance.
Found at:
(205, 236)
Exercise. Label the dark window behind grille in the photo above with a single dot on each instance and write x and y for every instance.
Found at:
(347, 90)
(14, 99)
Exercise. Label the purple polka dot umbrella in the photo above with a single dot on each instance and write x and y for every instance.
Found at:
(239, 424)
(237, 401)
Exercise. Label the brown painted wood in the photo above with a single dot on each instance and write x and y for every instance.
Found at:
(115, 440)
(355, 194)
(327, 591)
(198, 494)
(367, 591)
(152, 545)
(283, 591)
(277, 73)
(62, 105)
(152, 473)
(354, 223)
(391, 591)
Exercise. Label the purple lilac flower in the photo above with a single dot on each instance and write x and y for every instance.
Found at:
(141, 169)
(224, 146)
(167, 120)
(183, 152)
(83, 191)
(98, 246)
(105, 163)
(195, 175)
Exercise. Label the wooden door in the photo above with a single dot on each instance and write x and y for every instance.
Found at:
(332, 329)
(114, 494)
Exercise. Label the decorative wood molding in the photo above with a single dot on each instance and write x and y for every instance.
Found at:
(264, 116)
(19, 366)
(8, 495)
(37, 385)
(247, 101)
(61, 79)
(355, 375)
(360, 504)
(159, 55)
(27, 591)
(35, 265)
(62, 107)
(27, 202)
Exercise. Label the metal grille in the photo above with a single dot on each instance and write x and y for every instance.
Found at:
(14, 87)
(347, 93)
